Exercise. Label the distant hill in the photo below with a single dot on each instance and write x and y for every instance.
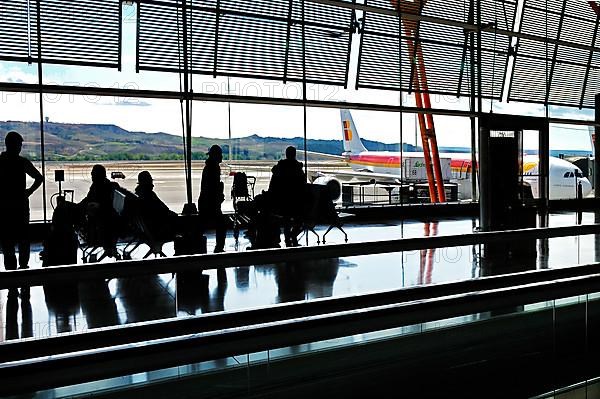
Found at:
(96, 142)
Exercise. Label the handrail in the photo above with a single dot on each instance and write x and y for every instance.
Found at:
(35, 374)
(166, 328)
(33, 277)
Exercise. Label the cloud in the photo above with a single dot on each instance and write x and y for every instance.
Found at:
(15, 74)
(571, 113)
(131, 102)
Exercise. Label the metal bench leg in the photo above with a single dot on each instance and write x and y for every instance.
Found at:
(150, 251)
(312, 229)
(339, 227)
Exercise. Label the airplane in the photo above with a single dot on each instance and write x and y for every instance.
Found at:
(395, 168)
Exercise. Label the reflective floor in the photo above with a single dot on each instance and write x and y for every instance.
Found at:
(63, 308)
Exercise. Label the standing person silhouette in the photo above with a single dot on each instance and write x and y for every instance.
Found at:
(14, 201)
(287, 186)
(211, 197)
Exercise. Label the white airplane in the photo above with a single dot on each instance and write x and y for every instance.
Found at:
(394, 167)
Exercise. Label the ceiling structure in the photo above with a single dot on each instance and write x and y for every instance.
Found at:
(541, 51)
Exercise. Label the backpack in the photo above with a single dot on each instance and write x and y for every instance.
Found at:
(240, 185)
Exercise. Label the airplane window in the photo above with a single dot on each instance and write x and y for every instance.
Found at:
(578, 173)
(566, 174)
(571, 174)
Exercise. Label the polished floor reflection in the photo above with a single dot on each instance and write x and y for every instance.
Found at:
(78, 306)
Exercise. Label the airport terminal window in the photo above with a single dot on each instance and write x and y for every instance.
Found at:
(126, 135)
(253, 138)
(451, 131)
(571, 157)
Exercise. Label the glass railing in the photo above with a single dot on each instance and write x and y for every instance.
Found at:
(548, 326)
(78, 302)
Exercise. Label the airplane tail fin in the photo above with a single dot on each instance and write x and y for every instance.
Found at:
(352, 142)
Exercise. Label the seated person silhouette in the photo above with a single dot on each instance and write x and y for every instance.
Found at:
(287, 188)
(211, 196)
(159, 219)
(103, 223)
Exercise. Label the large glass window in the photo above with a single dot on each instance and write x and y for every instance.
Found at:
(126, 135)
(571, 161)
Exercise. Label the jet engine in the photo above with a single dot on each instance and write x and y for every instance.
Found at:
(334, 186)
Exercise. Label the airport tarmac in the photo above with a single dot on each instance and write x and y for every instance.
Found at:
(169, 180)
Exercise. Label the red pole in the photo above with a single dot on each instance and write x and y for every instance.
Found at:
(433, 166)
(423, 127)
(439, 179)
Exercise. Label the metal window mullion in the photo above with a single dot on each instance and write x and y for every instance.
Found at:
(360, 49)
(304, 96)
(287, 40)
(216, 47)
(553, 60)
(516, 52)
(137, 37)
(62, 61)
(414, 55)
(589, 63)
(464, 54)
(350, 34)
(41, 104)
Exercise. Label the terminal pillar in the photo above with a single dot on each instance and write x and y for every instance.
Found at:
(499, 160)
(596, 146)
(506, 201)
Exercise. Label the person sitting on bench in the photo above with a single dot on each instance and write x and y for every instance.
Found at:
(157, 215)
(103, 220)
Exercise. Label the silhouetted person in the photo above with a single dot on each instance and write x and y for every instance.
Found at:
(103, 220)
(12, 310)
(14, 201)
(211, 197)
(145, 298)
(287, 187)
(160, 219)
(101, 190)
(97, 304)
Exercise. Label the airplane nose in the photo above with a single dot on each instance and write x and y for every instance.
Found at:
(586, 187)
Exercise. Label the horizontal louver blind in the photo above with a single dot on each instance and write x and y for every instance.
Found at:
(14, 34)
(82, 32)
(446, 50)
(551, 73)
(258, 39)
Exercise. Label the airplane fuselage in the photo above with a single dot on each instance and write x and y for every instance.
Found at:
(564, 177)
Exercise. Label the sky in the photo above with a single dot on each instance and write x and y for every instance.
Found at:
(211, 119)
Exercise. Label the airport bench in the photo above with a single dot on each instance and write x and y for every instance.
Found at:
(128, 205)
